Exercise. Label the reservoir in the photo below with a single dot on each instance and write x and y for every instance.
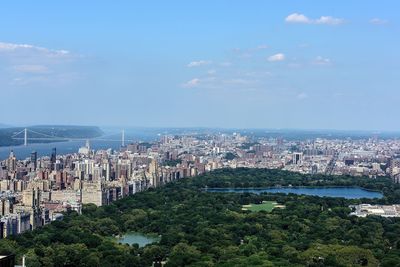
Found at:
(344, 192)
(137, 238)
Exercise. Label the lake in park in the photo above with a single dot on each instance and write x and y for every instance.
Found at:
(138, 238)
(345, 192)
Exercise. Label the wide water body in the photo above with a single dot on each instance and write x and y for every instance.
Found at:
(68, 147)
(345, 192)
(23, 152)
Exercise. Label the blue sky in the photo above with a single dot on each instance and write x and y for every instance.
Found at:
(247, 64)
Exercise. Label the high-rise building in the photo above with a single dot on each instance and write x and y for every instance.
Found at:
(53, 158)
(153, 173)
(34, 160)
(85, 149)
(394, 165)
(6, 206)
(12, 162)
(297, 158)
(31, 204)
(94, 192)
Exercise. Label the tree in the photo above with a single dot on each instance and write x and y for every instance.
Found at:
(183, 255)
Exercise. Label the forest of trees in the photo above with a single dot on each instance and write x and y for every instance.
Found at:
(211, 229)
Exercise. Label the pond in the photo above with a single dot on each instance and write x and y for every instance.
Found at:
(138, 238)
(345, 192)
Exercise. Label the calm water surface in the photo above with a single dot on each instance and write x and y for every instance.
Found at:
(137, 238)
(345, 192)
(68, 147)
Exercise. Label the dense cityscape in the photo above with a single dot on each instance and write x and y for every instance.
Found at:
(36, 191)
(199, 133)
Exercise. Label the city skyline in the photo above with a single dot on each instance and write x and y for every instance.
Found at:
(230, 64)
(199, 133)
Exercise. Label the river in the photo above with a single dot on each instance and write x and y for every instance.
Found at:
(68, 147)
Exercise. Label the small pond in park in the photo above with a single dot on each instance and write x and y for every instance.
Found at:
(138, 238)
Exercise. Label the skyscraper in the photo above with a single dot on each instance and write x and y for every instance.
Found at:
(12, 162)
(297, 158)
(34, 160)
(53, 158)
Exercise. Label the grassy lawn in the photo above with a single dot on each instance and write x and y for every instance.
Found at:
(268, 206)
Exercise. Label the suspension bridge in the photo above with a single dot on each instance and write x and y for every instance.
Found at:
(30, 135)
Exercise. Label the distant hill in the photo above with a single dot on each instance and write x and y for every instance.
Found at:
(61, 131)
(2, 125)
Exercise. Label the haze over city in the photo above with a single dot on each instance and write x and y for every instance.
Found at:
(240, 64)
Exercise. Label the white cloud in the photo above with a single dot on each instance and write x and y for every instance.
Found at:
(198, 63)
(26, 64)
(329, 20)
(227, 82)
(322, 61)
(192, 83)
(10, 48)
(303, 19)
(276, 57)
(378, 21)
(297, 18)
(31, 68)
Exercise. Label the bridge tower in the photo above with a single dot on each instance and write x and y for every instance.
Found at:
(25, 137)
(123, 138)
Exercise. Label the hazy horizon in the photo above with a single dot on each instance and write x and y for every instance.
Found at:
(227, 64)
(133, 127)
